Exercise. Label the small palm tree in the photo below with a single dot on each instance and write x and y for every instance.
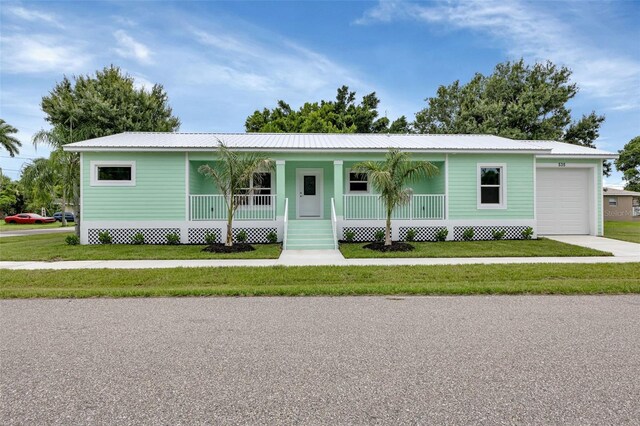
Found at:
(232, 174)
(389, 178)
(9, 142)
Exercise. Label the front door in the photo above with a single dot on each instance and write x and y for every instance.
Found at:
(309, 190)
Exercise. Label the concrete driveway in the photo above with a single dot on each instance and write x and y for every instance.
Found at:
(349, 360)
(616, 247)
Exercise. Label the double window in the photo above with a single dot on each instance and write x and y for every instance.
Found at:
(113, 173)
(358, 182)
(492, 186)
(261, 189)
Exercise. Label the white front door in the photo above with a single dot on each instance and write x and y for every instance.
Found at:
(309, 193)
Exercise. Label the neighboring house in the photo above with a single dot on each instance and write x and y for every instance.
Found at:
(149, 182)
(621, 205)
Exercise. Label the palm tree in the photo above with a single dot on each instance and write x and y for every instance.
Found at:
(7, 141)
(232, 174)
(389, 178)
(40, 180)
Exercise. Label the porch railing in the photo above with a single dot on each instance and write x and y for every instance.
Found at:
(370, 207)
(636, 210)
(214, 207)
(286, 224)
(334, 224)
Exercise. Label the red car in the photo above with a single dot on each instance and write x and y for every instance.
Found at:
(28, 218)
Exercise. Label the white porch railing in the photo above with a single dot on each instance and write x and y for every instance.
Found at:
(214, 207)
(636, 210)
(334, 224)
(286, 223)
(370, 207)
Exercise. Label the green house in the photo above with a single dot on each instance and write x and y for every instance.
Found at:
(149, 183)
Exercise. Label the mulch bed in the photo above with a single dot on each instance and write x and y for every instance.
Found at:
(221, 248)
(395, 246)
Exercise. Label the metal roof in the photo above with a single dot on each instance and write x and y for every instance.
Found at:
(619, 192)
(150, 141)
(568, 149)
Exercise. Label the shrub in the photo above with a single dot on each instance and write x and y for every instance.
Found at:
(349, 236)
(104, 237)
(468, 234)
(272, 237)
(527, 234)
(379, 236)
(242, 237)
(210, 238)
(441, 235)
(72, 240)
(173, 239)
(498, 235)
(411, 235)
(137, 239)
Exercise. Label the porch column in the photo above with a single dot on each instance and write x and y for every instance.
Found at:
(338, 187)
(280, 188)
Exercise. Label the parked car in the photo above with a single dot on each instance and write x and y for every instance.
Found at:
(68, 215)
(28, 218)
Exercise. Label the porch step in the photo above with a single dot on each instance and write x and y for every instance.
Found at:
(310, 235)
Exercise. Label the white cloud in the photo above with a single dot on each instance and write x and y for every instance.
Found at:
(39, 54)
(128, 47)
(527, 31)
(33, 15)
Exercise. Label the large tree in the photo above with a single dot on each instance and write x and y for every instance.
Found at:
(517, 100)
(629, 164)
(91, 106)
(342, 115)
(9, 142)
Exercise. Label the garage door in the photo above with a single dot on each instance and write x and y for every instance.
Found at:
(563, 201)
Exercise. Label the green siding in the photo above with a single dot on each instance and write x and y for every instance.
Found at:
(200, 184)
(159, 193)
(463, 186)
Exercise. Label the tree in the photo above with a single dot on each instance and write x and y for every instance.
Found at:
(232, 174)
(11, 198)
(629, 164)
(98, 105)
(340, 116)
(40, 181)
(517, 101)
(389, 178)
(9, 142)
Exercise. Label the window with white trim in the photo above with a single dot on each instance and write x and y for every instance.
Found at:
(113, 173)
(358, 182)
(261, 189)
(491, 185)
(613, 201)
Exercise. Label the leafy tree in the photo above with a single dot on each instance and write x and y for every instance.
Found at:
(232, 174)
(390, 177)
(11, 198)
(340, 116)
(98, 105)
(9, 142)
(517, 101)
(40, 181)
(629, 164)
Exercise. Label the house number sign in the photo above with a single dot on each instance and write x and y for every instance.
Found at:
(562, 164)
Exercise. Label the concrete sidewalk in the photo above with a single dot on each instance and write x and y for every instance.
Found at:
(27, 232)
(624, 252)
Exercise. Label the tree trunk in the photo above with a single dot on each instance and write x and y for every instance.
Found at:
(63, 220)
(229, 241)
(387, 233)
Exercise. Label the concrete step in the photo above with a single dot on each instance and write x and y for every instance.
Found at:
(310, 247)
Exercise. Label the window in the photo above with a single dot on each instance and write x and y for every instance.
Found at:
(113, 173)
(613, 201)
(358, 182)
(491, 186)
(260, 188)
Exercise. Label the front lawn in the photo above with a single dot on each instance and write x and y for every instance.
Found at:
(8, 227)
(325, 281)
(52, 247)
(625, 231)
(502, 248)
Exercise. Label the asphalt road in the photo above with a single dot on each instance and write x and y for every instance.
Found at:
(358, 360)
(27, 232)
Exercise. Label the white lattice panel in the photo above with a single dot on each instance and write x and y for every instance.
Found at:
(486, 232)
(123, 236)
(423, 233)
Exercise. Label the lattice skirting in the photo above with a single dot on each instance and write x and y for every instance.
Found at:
(255, 235)
(361, 233)
(423, 233)
(123, 236)
(196, 235)
(486, 232)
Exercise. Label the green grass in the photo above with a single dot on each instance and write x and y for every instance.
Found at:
(502, 248)
(325, 281)
(625, 231)
(52, 247)
(8, 227)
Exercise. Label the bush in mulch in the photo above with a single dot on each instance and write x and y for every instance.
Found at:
(221, 248)
(395, 246)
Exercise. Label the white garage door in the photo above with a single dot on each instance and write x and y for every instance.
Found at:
(563, 201)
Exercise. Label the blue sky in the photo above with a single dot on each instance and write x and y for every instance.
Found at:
(219, 61)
